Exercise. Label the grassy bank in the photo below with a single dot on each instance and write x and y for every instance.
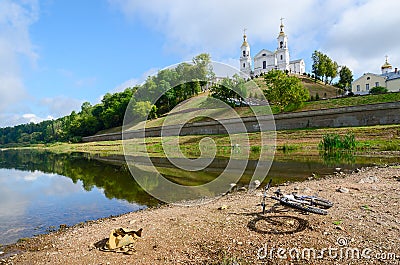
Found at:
(369, 139)
(200, 107)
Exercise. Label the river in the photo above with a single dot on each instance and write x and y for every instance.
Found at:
(41, 191)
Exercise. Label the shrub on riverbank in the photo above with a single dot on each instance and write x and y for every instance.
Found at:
(334, 142)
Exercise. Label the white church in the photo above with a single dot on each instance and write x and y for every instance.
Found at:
(266, 60)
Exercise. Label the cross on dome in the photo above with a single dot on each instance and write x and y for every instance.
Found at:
(282, 26)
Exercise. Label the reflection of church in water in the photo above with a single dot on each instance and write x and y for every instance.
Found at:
(266, 60)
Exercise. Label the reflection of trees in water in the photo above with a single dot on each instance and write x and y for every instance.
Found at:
(115, 180)
(332, 158)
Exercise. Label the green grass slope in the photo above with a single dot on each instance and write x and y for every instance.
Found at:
(199, 107)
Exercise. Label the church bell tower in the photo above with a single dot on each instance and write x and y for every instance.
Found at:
(245, 58)
(282, 53)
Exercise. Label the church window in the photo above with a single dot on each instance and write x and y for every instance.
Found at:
(244, 53)
(264, 54)
(368, 78)
(244, 65)
(281, 44)
(264, 65)
(281, 57)
(367, 87)
(358, 87)
(376, 84)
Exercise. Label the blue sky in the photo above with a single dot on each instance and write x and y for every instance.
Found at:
(55, 54)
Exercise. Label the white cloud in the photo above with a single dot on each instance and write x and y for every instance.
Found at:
(15, 20)
(134, 81)
(39, 110)
(30, 117)
(61, 105)
(11, 119)
(356, 33)
(365, 34)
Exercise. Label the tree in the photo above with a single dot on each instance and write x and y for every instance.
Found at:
(378, 90)
(232, 91)
(283, 90)
(345, 78)
(142, 109)
(323, 66)
(331, 69)
(318, 66)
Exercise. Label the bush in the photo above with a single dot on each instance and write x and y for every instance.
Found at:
(288, 148)
(255, 149)
(378, 90)
(316, 96)
(333, 142)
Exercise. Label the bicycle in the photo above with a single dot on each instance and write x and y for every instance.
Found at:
(311, 204)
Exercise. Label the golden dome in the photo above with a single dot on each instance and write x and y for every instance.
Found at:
(282, 32)
(245, 41)
(386, 65)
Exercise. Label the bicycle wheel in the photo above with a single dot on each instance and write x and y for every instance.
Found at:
(303, 207)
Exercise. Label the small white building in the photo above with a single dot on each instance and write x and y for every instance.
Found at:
(266, 60)
(388, 78)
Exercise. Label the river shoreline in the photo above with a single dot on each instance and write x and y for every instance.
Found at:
(231, 229)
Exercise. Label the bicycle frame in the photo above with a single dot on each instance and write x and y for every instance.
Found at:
(304, 203)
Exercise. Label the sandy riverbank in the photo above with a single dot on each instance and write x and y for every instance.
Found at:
(365, 218)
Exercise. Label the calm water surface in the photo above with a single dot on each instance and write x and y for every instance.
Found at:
(39, 190)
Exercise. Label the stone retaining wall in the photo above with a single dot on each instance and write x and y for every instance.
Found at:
(364, 115)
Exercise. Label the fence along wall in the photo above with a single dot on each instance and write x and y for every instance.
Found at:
(364, 115)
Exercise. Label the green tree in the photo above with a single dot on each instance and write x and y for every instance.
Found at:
(331, 69)
(323, 67)
(378, 90)
(283, 90)
(345, 78)
(142, 109)
(319, 64)
(232, 91)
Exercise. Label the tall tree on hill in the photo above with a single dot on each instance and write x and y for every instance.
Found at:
(324, 67)
(284, 91)
(345, 78)
(331, 69)
(318, 66)
(232, 91)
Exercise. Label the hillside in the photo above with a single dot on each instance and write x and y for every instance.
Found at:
(200, 107)
(324, 91)
(194, 109)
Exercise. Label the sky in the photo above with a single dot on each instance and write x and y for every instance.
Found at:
(55, 55)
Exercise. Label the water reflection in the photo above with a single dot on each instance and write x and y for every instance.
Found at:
(338, 157)
(36, 194)
(40, 189)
